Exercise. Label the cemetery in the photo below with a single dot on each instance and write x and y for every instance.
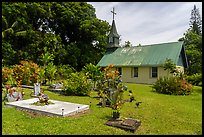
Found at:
(99, 117)
(111, 95)
(65, 72)
(58, 108)
(117, 107)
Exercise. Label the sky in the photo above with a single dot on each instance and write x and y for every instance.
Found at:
(148, 22)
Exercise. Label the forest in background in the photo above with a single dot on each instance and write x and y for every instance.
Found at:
(61, 32)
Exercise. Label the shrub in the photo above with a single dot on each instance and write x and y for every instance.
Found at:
(63, 72)
(7, 76)
(77, 84)
(172, 85)
(176, 85)
(50, 71)
(26, 72)
(93, 72)
(195, 79)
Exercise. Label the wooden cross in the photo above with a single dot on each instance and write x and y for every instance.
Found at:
(113, 13)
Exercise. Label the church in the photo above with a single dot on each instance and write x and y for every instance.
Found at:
(142, 64)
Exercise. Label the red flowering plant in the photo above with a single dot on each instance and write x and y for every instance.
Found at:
(26, 72)
(111, 89)
(184, 88)
(175, 84)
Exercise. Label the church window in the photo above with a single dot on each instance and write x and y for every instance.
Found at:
(111, 40)
(154, 72)
(135, 72)
(119, 70)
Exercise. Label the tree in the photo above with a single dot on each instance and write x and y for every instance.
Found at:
(46, 57)
(169, 66)
(193, 44)
(139, 45)
(193, 48)
(25, 47)
(82, 29)
(195, 21)
(67, 29)
(128, 44)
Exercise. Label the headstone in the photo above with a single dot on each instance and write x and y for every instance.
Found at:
(36, 89)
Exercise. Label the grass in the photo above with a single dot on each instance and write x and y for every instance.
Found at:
(160, 115)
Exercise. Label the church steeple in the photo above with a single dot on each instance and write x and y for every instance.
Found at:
(113, 36)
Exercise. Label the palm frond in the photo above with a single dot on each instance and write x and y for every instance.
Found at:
(21, 33)
(4, 21)
(2, 34)
(14, 24)
(9, 30)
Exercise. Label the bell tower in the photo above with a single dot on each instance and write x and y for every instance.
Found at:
(113, 36)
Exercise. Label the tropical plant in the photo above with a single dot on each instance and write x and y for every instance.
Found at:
(77, 84)
(7, 76)
(50, 71)
(46, 57)
(63, 72)
(14, 29)
(93, 72)
(26, 72)
(42, 75)
(111, 89)
(170, 66)
(195, 79)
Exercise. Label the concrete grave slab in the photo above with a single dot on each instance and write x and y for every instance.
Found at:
(59, 108)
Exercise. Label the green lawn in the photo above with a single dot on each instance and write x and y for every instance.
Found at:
(160, 115)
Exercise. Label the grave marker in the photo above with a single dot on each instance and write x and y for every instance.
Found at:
(36, 89)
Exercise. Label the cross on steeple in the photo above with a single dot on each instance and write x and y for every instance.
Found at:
(113, 13)
(113, 36)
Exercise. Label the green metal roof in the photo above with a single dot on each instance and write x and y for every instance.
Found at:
(148, 55)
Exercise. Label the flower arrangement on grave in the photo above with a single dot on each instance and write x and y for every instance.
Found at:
(111, 90)
(43, 100)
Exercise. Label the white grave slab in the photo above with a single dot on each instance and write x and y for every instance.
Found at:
(59, 108)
